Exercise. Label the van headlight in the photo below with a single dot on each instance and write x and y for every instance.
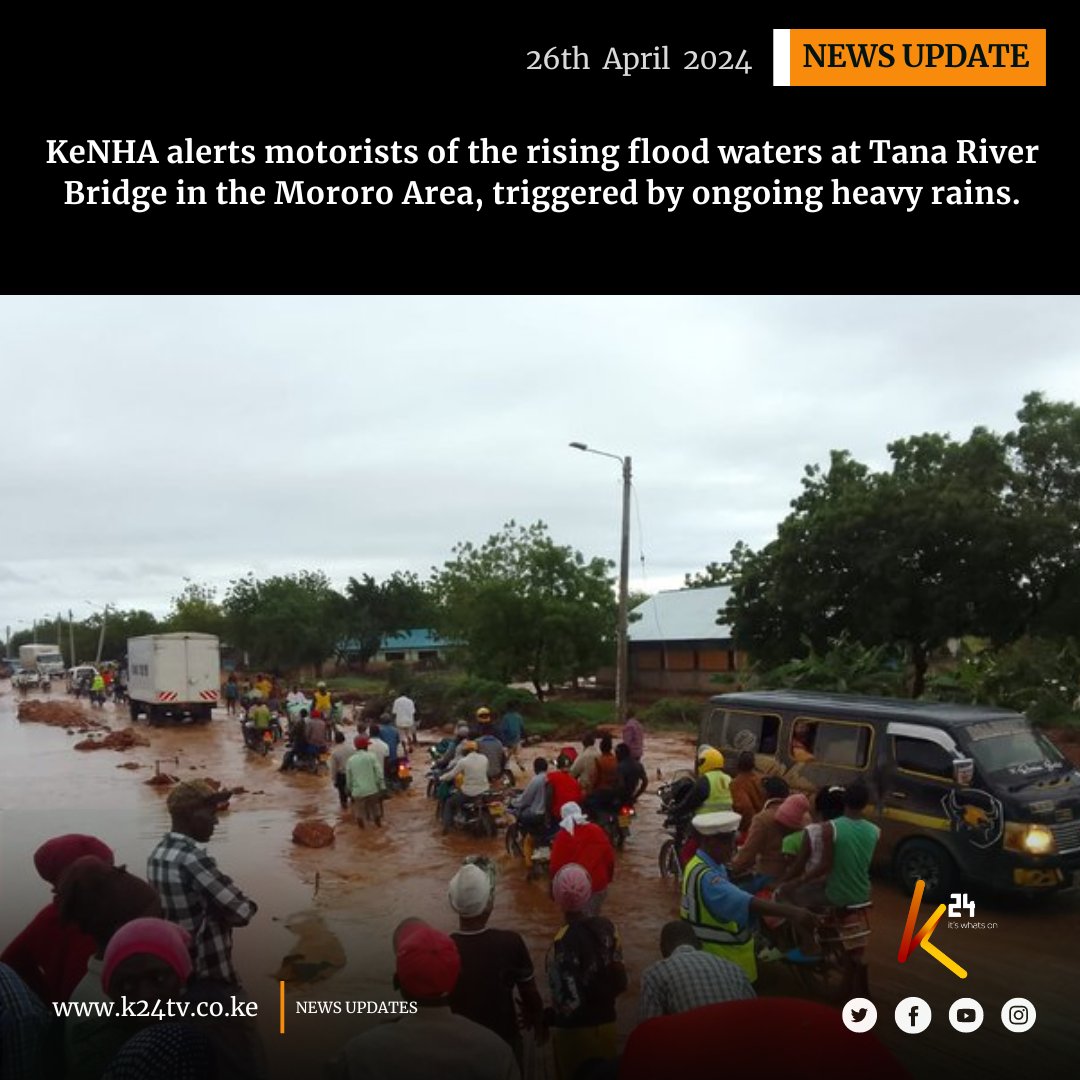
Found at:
(1029, 839)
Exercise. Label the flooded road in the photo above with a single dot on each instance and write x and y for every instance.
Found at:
(326, 915)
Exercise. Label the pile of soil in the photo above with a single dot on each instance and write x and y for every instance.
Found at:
(313, 834)
(124, 739)
(66, 714)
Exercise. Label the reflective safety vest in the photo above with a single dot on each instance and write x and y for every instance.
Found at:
(724, 939)
(719, 797)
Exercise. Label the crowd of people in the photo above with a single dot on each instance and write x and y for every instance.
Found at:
(755, 851)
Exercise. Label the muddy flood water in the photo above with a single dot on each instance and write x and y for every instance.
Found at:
(326, 915)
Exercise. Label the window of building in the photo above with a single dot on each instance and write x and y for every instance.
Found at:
(392, 657)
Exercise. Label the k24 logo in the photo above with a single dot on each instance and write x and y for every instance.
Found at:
(911, 939)
(960, 901)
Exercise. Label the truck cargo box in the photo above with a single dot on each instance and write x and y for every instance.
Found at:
(174, 676)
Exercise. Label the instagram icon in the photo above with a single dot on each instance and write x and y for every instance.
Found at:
(1018, 1014)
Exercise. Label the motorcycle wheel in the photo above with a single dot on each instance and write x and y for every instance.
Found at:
(513, 841)
(487, 825)
(669, 860)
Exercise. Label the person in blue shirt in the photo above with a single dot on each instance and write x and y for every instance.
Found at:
(388, 732)
(712, 904)
(511, 732)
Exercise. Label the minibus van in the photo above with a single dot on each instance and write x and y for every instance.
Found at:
(964, 794)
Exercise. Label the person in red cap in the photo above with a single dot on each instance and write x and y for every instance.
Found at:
(366, 783)
(428, 1040)
(49, 955)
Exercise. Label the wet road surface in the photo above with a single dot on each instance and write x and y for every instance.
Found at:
(326, 915)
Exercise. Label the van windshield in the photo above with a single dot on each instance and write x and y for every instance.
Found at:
(1012, 747)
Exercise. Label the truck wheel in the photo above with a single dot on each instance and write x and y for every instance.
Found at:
(924, 859)
(134, 707)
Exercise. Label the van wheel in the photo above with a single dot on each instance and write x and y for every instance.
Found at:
(924, 859)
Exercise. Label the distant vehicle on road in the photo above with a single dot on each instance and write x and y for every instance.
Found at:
(76, 675)
(44, 659)
(9, 667)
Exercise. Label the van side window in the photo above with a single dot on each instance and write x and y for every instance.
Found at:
(758, 732)
(830, 742)
(922, 756)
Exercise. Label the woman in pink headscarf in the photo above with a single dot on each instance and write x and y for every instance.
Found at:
(762, 854)
(586, 975)
(49, 955)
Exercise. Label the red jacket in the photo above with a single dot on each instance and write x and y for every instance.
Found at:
(50, 956)
(588, 847)
(564, 789)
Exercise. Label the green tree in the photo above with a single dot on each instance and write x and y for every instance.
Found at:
(913, 555)
(285, 620)
(1045, 499)
(527, 607)
(375, 609)
(196, 610)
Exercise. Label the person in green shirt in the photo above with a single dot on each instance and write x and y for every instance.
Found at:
(365, 781)
(854, 840)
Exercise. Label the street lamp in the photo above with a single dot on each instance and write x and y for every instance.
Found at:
(622, 666)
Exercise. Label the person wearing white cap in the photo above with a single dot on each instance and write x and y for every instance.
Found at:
(493, 962)
(718, 910)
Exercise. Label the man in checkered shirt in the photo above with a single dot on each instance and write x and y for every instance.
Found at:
(688, 977)
(194, 892)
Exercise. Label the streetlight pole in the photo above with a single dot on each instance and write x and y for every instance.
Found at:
(622, 651)
(101, 634)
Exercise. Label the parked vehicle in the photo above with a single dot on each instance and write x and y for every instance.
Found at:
(173, 676)
(964, 794)
(79, 678)
(9, 667)
(47, 660)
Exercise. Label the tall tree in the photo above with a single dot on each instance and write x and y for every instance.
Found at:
(913, 555)
(374, 610)
(196, 610)
(527, 607)
(286, 620)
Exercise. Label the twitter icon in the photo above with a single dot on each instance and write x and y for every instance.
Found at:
(859, 1014)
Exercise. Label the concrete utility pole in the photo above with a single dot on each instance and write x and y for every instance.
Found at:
(622, 647)
(71, 638)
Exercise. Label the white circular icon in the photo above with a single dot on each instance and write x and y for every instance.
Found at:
(1018, 1014)
(859, 1014)
(966, 1015)
(912, 1015)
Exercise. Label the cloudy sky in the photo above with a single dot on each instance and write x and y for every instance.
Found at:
(151, 439)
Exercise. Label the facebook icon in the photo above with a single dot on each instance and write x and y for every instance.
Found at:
(912, 1015)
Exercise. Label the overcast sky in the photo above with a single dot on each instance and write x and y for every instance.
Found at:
(149, 439)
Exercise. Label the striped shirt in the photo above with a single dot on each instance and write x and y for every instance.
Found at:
(196, 895)
(688, 979)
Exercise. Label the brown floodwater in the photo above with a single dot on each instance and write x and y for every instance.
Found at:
(326, 915)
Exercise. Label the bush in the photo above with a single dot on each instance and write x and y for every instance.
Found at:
(673, 712)
(443, 697)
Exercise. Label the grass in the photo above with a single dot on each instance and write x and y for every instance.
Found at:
(360, 684)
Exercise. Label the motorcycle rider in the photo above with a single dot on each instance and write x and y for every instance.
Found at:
(711, 792)
(530, 807)
(632, 778)
(297, 739)
(473, 768)
(490, 746)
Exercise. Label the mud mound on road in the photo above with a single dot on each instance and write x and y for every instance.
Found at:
(124, 739)
(55, 714)
(313, 834)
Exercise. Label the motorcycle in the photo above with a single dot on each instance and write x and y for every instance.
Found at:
(259, 740)
(530, 842)
(676, 826)
(479, 814)
(616, 823)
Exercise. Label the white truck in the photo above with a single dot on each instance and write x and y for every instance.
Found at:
(173, 676)
(46, 660)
